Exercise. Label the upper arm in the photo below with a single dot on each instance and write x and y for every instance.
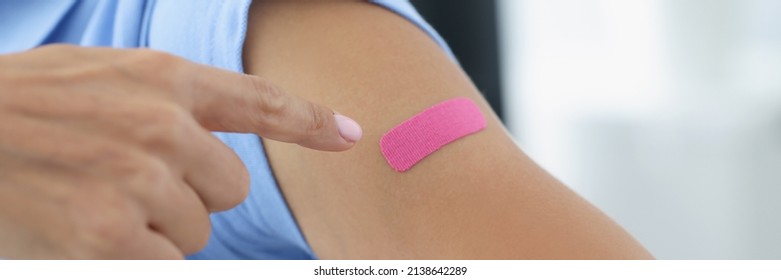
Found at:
(478, 197)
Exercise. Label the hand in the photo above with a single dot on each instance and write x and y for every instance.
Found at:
(107, 153)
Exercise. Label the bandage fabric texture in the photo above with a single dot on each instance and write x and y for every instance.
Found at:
(428, 131)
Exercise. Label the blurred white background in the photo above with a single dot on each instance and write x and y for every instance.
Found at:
(666, 114)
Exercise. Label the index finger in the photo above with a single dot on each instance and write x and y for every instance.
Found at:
(235, 102)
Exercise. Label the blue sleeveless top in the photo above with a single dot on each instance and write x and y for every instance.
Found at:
(204, 31)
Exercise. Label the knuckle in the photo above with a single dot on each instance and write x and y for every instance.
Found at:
(147, 64)
(128, 167)
(97, 154)
(162, 126)
(317, 119)
(272, 100)
(107, 217)
(167, 114)
(198, 226)
(148, 174)
(105, 223)
(152, 59)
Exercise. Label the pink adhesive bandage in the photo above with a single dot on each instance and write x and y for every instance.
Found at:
(414, 139)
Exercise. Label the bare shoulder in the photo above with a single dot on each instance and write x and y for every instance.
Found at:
(478, 197)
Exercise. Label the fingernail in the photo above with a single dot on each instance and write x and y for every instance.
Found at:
(348, 128)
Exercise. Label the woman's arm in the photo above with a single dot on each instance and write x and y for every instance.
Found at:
(478, 197)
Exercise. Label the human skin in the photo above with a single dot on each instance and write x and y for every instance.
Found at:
(107, 154)
(479, 197)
